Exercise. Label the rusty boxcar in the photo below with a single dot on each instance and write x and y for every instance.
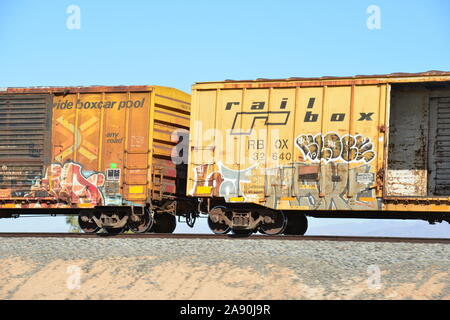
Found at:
(266, 153)
(102, 152)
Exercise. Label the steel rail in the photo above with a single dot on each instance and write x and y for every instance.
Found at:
(216, 237)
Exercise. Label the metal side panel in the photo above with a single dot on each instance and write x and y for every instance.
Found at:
(440, 146)
(408, 139)
(24, 141)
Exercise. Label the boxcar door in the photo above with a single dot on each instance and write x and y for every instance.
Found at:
(136, 151)
(439, 147)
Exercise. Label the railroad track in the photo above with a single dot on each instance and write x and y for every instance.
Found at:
(214, 236)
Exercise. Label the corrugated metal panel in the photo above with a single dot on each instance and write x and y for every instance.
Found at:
(24, 140)
(170, 126)
(442, 148)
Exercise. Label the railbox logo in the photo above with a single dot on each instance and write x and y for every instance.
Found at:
(248, 119)
(244, 121)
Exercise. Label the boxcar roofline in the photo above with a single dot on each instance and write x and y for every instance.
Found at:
(433, 75)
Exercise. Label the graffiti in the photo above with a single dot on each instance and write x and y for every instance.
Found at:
(70, 183)
(322, 180)
(230, 185)
(322, 187)
(332, 147)
(224, 183)
(330, 186)
(200, 173)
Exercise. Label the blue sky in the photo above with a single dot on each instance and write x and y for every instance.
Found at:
(177, 43)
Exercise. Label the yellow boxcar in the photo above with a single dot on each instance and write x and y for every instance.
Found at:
(92, 147)
(363, 146)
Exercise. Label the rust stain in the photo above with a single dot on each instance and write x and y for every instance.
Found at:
(67, 90)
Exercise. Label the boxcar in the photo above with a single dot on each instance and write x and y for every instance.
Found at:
(265, 154)
(105, 153)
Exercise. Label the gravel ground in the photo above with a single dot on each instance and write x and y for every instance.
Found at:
(46, 268)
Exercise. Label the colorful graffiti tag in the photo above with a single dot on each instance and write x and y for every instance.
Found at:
(332, 186)
(230, 186)
(70, 183)
(332, 147)
(224, 183)
(323, 180)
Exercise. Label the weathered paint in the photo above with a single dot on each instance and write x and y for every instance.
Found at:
(24, 135)
(407, 165)
(108, 146)
(439, 146)
(306, 144)
(418, 147)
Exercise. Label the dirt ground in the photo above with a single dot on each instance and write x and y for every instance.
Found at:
(121, 278)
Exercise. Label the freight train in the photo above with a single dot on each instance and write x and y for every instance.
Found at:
(258, 155)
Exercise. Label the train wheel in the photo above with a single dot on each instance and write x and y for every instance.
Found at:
(297, 224)
(87, 224)
(277, 226)
(217, 227)
(164, 223)
(242, 232)
(140, 223)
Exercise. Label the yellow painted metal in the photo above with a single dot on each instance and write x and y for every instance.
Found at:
(151, 134)
(76, 137)
(322, 142)
(204, 190)
(122, 128)
(136, 189)
(100, 136)
(85, 205)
